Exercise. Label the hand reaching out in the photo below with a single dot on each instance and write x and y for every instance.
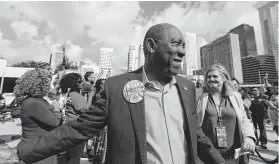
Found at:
(92, 92)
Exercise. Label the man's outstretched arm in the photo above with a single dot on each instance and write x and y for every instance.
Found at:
(66, 136)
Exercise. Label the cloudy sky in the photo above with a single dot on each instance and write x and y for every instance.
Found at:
(33, 30)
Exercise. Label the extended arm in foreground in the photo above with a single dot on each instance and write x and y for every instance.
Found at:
(65, 136)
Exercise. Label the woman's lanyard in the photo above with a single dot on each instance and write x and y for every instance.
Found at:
(219, 109)
(221, 133)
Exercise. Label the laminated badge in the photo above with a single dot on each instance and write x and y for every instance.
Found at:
(133, 91)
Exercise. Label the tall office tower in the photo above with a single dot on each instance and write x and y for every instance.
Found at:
(105, 61)
(224, 50)
(190, 62)
(135, 57)
(141, 56)
(247, 41)
(268, 12)
(255, 67)
(200, 43)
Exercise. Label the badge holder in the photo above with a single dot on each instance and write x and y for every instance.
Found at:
(221, 132)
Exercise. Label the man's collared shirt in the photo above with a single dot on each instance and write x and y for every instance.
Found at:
(166, 141)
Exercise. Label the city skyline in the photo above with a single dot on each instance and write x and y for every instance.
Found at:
(268, 12)
(254, 68)
(135, 57)
(192, 60)
(34, 30)
(105, 61)
(247, 41)
(226, 51)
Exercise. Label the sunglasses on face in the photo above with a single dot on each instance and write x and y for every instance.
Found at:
(79, 82)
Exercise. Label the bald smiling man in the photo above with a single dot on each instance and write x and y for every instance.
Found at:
(150, 113)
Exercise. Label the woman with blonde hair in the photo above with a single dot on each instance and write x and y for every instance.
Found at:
(37, 115)
(222, 117)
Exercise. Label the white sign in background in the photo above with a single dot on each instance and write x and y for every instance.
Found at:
(3, 66)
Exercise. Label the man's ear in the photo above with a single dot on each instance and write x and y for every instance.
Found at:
(150, 45)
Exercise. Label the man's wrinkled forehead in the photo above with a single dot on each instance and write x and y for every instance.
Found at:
(172, 33)
(163, 31)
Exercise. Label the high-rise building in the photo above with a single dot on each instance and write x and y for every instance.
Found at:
(135, 57)
(247, 41)
(268, 12)
(141, 56)
(105, 61)
(191, 61)
(200, 43)
(255, 67)
(224, 50)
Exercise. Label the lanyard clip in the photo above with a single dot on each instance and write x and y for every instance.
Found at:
(220, 121)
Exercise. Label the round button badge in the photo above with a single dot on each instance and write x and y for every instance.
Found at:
(133, 91)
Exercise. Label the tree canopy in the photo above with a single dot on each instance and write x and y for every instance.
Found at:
(31, 64)
(68, 65)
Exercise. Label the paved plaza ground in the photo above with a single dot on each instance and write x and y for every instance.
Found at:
(13, 128)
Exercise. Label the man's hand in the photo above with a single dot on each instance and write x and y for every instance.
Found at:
(266, 76)
(248, 144)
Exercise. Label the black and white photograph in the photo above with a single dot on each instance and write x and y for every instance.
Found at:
(139, 82)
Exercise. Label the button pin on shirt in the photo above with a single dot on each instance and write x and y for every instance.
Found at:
(185, 88)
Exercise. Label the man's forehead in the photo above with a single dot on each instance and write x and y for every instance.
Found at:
(172, 33)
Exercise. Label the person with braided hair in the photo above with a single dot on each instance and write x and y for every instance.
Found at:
(37, 115)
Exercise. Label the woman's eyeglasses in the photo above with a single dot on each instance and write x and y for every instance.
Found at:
(79, 82)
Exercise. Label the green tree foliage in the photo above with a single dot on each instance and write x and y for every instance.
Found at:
(68, 65)
(31, 64)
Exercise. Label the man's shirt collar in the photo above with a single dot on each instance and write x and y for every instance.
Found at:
(155, 84)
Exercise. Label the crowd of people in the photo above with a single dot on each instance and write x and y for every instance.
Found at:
(44, 108)
(148, 116)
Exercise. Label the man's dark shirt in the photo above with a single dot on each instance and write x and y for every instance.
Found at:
(257, 107)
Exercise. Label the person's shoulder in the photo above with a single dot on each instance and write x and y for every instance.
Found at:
(184, 80)
(237, 94)
(123, 77)
(32, 102)
(75, 95)
(77, 98)
(119, 77)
